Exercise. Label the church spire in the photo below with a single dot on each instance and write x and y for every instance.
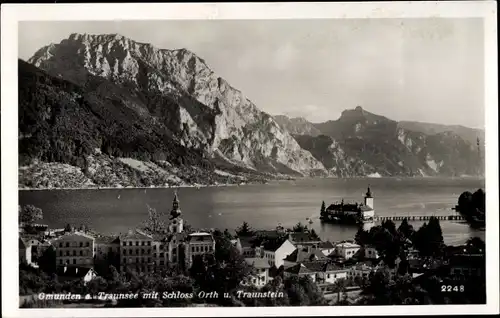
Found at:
(369, 192)
(176, 211)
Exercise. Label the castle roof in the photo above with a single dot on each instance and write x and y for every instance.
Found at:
(200, 237)
(135, 235)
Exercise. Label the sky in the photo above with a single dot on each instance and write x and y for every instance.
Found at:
(426, 69)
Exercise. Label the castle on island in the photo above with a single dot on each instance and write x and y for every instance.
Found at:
(350, 212)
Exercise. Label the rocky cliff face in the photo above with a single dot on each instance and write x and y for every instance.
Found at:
(363, 143)
(204, 112)
(297, 125)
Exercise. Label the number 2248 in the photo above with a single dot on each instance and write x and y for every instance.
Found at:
(450, 288)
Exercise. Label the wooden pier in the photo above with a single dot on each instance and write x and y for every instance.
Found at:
(454, 217)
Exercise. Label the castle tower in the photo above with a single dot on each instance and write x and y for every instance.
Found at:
(369, 198)
(176, 222)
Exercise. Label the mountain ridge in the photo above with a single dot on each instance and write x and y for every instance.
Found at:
(235, 130)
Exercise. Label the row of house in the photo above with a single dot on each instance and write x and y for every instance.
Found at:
(302, 254)
(135, 250)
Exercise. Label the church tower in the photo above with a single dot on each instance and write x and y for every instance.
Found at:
(369, 198)
(176, 222)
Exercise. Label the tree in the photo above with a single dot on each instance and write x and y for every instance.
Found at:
(362, 237)
(30, 214)
(154, 223)
(299, 228)
(405, 229)
(429, 238)
(390, 226)
(323, 207)
(244, 230)
(340, 287)
(47, 261)
(68, 228)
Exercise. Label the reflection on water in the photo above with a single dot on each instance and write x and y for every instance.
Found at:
(262, 206)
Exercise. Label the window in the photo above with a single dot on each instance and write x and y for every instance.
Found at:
(334, 275)
(136, 243)
(124, 252)
(74, 261)
(87, 244)
(149, 250)
(162, 263)
(142, 243)
(81, 244)
(129, 243)
(162, 254)
(124, 243)
(81, 253)
(327, 275)
(67, 244)
(197, 248)
(149, 259)
(60, 261)
(149, 243)
(192, 249)
(60, 244)
(67, 253)
(124, 260)
(136, 251)
(142, 251)
(60, 253)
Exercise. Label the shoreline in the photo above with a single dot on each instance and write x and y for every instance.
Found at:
(239, 184)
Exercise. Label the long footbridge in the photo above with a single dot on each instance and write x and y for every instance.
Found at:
(451, 217)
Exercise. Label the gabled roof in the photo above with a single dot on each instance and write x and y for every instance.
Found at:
(326, 245)
(73, 271)
(273, 244)
(246, 241)
(257, 262)
(74, 234)
(300, 255)
(268, 233)
(330, 267)
(107, 240)
(301, 237)
(315, 266)
(200, 237)
(298, 269)
(135, 235)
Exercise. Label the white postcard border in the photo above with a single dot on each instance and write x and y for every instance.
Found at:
(11, 14)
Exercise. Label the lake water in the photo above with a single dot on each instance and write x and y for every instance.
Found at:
(262, 206)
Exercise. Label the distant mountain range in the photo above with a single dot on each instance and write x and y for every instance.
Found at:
(104, 110)
(363, 143)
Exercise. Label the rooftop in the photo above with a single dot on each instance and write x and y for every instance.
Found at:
(348, 245)
(298, 269)
(300, 255)
(258, 262)
(326, 245)
(200, 237)
(107, 239)
(135, 235)
(300, 237)
(273, 244)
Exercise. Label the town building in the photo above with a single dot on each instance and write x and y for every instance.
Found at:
(261, 272)
(199, 243)
(107, 251)
(351, 212)
(370, 252)
(274, 251)
(75, 273)
(469, 266)
(74, 248)
(360, 270)
(326, 248)
(346, 249)
(24, 252)
(246, 246)
(136, 252)
(304, 239)
(299, 270)
(300, 255)
(332, 273)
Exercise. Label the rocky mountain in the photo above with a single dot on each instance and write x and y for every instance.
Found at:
(363, 143)
(297, 125)
(110, 94)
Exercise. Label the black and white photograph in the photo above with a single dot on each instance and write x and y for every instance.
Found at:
(230, 156)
